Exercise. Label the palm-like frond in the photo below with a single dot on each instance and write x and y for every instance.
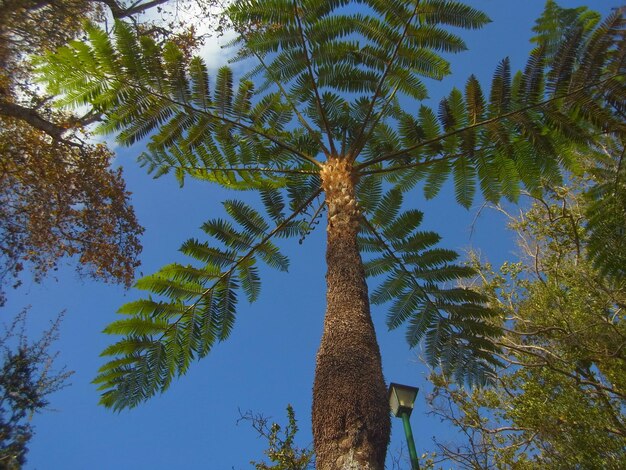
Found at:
(420, 284)
(195, 305)
(312, 48)
(606, 211)
(157, 92)
(572, 84)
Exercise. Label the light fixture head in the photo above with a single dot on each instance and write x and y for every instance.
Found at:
(401, 399)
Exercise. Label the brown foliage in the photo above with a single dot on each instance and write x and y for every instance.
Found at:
(58, 196)
(57, 201)
(33, 27)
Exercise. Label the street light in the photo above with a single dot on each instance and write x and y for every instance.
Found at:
(401, 400)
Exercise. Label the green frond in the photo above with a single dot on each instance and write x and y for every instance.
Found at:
(429, 319)
(176, 80)
(435, 38)
(532, 80)
(224, 91)
(189, 273)
(489, 183)
(243, 100)
(369, 191)
(103, 50)
(387, 209)
(555, 22)
(606, 211)
(378, 266)
(500, 98)
(130, 50)
(249, 279)
(404, 306)
(274, 204)
(435, 179)
(474, 100)
(445, 116)
(416, 284)
(600, 50)
(203, 251)
(200, 89)
(249, 218)
(195, 305)
(301, 188)
(161, 284)
(565, 61)
(137, 326)
(451, 13)
(403, 224)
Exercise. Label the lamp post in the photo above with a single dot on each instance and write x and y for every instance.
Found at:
(401, 401)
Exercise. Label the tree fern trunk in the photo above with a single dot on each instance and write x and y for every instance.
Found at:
(350, 411)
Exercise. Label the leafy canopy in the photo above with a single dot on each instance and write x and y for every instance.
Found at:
(335, 80)
(559, 400)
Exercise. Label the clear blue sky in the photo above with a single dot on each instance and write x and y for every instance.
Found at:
(269, 359)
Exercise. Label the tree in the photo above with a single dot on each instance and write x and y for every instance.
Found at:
(559, 400)
(59, 200)
(59, 196)
(332, 117)
(281, 449)
(26, 379)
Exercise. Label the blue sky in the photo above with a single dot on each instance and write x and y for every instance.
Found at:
(269, 359)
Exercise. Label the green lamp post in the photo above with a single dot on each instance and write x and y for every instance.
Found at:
(401, 400)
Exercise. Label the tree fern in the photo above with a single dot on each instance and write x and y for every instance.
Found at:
(327, 87)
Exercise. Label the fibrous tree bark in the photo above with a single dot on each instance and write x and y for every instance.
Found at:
(351, 423)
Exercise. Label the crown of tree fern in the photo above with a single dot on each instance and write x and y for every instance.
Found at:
(328, 83)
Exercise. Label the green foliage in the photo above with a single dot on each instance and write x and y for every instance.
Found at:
(195, 305)
(559, 400)
(451, 321)
(328, 84)
(281, 451)
(606, 210)
(27, 378)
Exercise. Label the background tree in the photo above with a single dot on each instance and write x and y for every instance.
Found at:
(559, 400)
(59, 196)
(327, 120)
(27, 377)
(282, 452)
(59, 200)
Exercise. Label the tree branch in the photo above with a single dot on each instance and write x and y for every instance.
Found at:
(33, 118)
(120, 12)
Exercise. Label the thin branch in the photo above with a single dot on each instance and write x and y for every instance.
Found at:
(33, 118)
(120, 12)
(551, 366)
